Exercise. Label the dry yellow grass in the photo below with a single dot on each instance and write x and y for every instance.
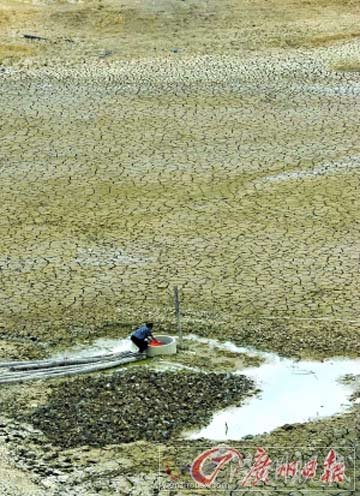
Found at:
(137, 28)
(87, 18)
(318, 40)
(16, 15)
(13, 52)
(350, 65)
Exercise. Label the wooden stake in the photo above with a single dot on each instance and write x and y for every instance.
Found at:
(177, 313)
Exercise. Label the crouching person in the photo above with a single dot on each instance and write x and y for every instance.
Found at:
(142, 336)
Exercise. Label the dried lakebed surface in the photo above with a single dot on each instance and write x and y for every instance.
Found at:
(212, 145)
(234, 176)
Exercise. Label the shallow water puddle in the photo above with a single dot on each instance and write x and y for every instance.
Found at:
(291, 392)
(99, 347)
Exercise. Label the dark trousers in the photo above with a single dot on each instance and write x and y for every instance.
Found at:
(142, 344)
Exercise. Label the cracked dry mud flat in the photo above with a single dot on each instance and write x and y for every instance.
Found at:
(209, 145)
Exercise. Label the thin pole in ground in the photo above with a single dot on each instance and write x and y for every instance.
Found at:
(177, 314)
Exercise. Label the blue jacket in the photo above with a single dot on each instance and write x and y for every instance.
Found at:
(142, 332)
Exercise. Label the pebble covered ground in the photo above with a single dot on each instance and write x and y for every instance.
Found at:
(133, 406)
(209, 145)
